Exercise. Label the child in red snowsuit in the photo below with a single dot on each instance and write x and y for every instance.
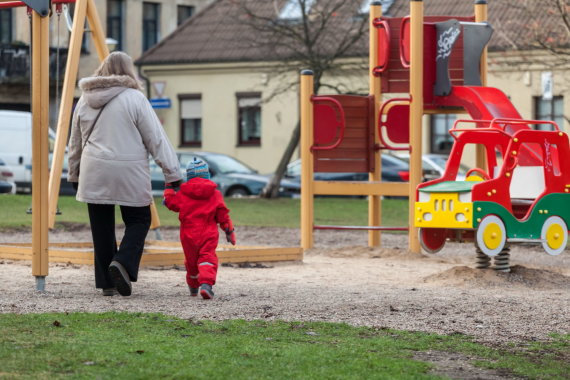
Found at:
(201, 208)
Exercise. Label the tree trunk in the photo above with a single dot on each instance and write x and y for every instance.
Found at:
(271, 190)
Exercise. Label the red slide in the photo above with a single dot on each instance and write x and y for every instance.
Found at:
(488, 103)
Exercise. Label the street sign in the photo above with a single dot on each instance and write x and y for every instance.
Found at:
(159, 88)
(160, 103)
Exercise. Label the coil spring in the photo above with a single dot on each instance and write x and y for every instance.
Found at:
(483, 261)
(502, 260)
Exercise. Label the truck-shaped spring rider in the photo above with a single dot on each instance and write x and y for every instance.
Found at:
(522, 196)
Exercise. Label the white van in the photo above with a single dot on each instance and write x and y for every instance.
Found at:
(16, 146)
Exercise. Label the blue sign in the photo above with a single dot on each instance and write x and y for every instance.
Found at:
(160, 103)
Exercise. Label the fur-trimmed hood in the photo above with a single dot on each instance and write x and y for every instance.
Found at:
(98, 91)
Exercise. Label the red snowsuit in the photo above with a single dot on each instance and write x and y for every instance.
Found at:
(201, 207)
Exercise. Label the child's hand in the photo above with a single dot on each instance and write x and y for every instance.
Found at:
(229, 230)
(231, 237)
(173, 185)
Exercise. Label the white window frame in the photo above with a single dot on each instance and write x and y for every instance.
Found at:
(292, 9)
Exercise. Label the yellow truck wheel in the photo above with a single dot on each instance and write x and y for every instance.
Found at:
(554, 235)
(491, 235)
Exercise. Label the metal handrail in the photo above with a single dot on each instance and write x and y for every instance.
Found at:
(522, 121)
(486, 129)
(342, 122)
(405, 64)
(497, 124)
(386, 26)
(380, 123)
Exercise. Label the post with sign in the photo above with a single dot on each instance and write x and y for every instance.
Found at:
(159, 101)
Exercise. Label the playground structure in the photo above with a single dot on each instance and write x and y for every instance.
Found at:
(409, 56)
(439, 62)
(45, 190)
(520, 198)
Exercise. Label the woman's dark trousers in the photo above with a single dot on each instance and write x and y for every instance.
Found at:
(137, 223)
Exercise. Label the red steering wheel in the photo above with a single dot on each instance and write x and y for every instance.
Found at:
(483, 174)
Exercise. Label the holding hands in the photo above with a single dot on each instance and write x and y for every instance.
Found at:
(170, 189)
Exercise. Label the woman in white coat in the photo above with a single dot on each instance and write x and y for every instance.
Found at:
(114, 130)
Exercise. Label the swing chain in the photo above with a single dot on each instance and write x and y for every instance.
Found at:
(58, 10)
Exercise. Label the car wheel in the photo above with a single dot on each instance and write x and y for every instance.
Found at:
(432, 240)
(491, 235)
(237, 192)
(554, 235)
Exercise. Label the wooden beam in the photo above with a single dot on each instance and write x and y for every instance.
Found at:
(481, 15)
(374, 201)
(307, 164)
(154, 220)
(361, 188)
(64, 117)
(40, 125)
(169, 255)
(97, 30)
(416, 112)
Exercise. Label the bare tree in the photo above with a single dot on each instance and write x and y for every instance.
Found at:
(540, 31)
(321, 35)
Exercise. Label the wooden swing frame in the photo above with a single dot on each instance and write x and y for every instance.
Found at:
(45, 191)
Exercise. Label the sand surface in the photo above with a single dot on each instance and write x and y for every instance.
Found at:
(340, 280)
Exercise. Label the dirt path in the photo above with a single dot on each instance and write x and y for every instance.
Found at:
(339, 280)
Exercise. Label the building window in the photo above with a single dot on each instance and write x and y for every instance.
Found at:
(249, 115)
(184, 13)
(151, 25)
(365, 6)
(190, 120)
(292, 10)
(552, 109)
(441, 140)
(115, 11)
(5, 26)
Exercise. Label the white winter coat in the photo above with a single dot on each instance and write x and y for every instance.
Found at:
(113, 168)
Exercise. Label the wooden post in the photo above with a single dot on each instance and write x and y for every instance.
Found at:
(416, 112)
(97, 30)
(374, 201)
(307, 164)
(481, 16)
(40, 125)
(155, 220)
(64, 117)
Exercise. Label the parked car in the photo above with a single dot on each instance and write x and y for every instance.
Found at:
(394, 169)
(436, 163)
(6, 187)
(233, 177)
(7, 176)
(16, 145)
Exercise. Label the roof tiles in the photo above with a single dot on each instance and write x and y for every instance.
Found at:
(222, 31)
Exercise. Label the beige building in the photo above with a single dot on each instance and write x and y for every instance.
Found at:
(217, 85)
(133, 26)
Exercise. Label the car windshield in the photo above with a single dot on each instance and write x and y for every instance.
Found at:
(227, 165)
(442, 160)
(294, 169)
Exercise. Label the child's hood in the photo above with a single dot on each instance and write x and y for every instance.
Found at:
(198, 188)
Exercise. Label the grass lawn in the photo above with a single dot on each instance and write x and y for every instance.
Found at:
(281, 212)
(152, 346)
